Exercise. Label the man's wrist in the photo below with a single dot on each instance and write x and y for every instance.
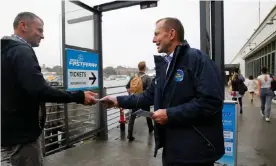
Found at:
(116, 102)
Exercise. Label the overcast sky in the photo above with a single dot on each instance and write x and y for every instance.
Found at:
(128, 33)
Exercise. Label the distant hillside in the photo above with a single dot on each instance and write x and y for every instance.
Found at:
(120, 70)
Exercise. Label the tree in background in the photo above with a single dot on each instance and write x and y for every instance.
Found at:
(109, 71)
(57, 69)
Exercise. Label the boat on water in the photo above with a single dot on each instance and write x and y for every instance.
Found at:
(53, 79)
(110, 78)
(122, 77)
(117, 77)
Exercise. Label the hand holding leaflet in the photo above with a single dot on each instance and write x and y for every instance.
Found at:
(109, 101)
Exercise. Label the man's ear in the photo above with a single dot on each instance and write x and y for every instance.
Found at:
(172, 34)
(23, 26)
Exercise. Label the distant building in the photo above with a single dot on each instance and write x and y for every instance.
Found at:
(126, 71)
(260, 49)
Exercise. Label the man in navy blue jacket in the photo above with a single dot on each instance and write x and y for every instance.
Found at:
(187, 95)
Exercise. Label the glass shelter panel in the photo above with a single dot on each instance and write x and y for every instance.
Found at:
(79, 26)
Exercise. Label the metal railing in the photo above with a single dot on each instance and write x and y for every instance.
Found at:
(64, 129)
(113, 115)
(70, 124)
(53, 135)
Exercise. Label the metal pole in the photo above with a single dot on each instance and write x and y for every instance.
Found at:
(102, 92)
(205, 44)
(217, 31)
(60, 40)
(122, 120)
(66, 129)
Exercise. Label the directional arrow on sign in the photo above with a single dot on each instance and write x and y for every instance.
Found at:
(93, 78)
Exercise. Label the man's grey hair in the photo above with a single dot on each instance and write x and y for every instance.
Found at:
(24, 16)
(174, 23)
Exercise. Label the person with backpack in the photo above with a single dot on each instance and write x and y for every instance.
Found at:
(265, 92)
(137, 85)
(238, 88)
(273, 85)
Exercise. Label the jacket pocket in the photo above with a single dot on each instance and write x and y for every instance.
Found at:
(209, 149)
(188, 145)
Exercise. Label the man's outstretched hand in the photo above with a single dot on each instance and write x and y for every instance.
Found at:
(109, 101)
(89, 98)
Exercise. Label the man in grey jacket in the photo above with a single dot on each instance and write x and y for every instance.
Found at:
(146, 83)
(23, 88)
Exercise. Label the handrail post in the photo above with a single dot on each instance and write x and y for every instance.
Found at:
(122, 120)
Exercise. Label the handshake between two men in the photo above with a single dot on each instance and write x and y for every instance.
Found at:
(160, 116)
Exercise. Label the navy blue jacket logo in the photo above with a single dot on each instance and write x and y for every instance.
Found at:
(179, 75)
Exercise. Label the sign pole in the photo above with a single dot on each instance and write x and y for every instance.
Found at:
(102, 114)
(64, 66)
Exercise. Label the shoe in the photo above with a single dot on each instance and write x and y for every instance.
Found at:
(240, 111)
(251, 101)
(262, 113)
(130, 138)
(267, 119)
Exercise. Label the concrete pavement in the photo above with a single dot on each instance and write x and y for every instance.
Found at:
(256, 145)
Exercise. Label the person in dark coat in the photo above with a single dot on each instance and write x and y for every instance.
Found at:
(187, 95)
(238, 91)
(23, 89)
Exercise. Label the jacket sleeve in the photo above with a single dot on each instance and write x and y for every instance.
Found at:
(133, 101)
(29, 76)
(208, 96)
